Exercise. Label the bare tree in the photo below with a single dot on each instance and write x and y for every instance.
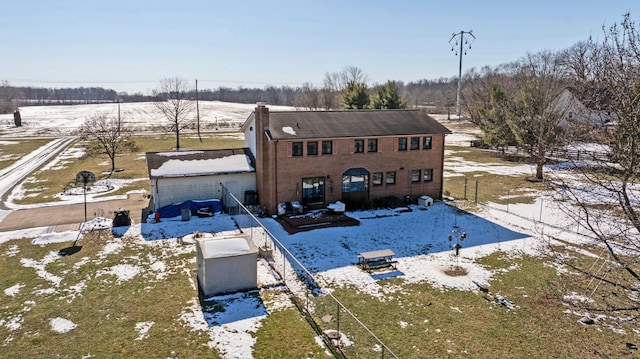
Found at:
(335, 84)
(109, 134)
(174, 101)
(308, 97)
(330, 92)
(522, 103)
(606, 194)
(8, 95)
(535, 114)
(476, 92)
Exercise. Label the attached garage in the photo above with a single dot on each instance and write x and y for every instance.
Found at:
(226, 265)
(179, 176)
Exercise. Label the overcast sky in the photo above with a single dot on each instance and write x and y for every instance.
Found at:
(130, 45)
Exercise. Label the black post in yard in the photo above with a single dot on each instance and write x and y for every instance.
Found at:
(465, 188)
(476, 191)
(85, 201)
(338, 324)
(85, 177)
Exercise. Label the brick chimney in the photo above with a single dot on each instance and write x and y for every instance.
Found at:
(265, 157)
(262, 116)
(262, 123)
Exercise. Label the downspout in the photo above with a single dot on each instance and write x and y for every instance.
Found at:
(275, 173)
(155, 197)
(442, 168)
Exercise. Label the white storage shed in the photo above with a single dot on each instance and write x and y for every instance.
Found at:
(226, 264)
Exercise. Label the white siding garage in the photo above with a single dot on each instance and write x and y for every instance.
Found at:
(199, 175)
(174, 190)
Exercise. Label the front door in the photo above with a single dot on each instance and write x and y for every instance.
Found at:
(313, 190)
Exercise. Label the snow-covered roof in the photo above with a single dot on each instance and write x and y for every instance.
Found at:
(227, 247)
(199, 163)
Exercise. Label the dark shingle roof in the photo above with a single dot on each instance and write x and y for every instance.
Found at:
(353, 123)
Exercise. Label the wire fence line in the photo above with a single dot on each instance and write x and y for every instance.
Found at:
(339, 325)
(601, 153)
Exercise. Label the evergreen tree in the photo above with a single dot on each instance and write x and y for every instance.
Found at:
(493, 120)
(355, 96)
(387, 96)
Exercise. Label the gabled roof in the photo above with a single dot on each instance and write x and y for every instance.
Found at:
(351, 123)
(199, 163)
(599, 99)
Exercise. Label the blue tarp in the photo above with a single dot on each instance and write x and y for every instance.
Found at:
(175, 210)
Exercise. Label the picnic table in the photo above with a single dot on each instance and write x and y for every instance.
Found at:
(377, 260)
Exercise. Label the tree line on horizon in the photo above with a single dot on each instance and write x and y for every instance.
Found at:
(438, 93)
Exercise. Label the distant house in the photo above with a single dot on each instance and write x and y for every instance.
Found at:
(357, 157)
(178, 176)
(587, 110)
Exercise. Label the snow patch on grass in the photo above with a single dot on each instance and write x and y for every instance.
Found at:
(143, 329)
(13, 290)
(122, 272)
(61, 325)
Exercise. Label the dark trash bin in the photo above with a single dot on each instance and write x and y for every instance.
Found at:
(250, 198)
(121, 218)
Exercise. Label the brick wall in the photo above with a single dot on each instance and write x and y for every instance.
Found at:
(291, 169)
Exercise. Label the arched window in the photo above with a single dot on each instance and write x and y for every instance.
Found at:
(355, 180)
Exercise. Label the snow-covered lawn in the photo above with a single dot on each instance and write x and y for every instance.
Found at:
(419, 238)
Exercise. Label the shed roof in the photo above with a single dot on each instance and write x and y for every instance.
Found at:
(226, 247)
(351, 123)
(199, 163)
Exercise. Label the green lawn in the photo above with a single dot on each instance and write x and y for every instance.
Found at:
(13, 150)
(491, 186)
(84, 288)
(420, 321)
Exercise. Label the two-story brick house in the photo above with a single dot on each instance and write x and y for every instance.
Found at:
(356, 156)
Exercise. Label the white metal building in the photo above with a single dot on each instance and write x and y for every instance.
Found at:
(226, 264)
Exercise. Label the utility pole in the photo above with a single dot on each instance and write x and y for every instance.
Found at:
(464, 46)
(198, 112)
(119, 119)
